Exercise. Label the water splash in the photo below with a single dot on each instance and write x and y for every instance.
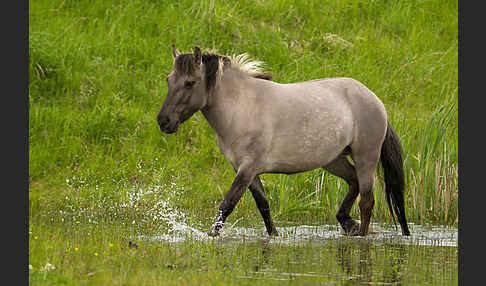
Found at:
(172, 225)
(180, 231)
(174, 228)
(171, 222)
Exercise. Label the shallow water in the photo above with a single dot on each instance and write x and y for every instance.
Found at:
(318, 234)
(314, 254)
(174, 228)
(321, 254)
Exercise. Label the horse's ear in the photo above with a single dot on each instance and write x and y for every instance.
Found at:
(175, 52)
(197, 55)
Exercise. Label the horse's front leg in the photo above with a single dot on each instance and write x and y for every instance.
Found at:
(242, 181)
(256, 189)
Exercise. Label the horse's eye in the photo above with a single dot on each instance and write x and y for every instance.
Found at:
(189, 83)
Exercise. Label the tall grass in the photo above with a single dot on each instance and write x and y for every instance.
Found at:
(96, 71)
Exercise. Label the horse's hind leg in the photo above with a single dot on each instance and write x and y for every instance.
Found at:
(342, 168)
(365, 165)
(256, 189)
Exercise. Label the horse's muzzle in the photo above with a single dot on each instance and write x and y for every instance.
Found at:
(166, 125)
(169, 130)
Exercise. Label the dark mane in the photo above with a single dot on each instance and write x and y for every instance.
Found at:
(211, 67)
(184, 65)
(263, 76)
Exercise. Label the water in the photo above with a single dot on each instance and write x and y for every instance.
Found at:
(313, 254)
(318, 234)
(421, 235)
(175, 228)
(321, 254)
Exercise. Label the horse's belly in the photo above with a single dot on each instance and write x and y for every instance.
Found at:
(290, 167)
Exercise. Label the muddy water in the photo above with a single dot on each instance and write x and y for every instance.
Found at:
(308, 255)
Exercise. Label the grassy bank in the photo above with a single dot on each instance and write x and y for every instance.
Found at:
(97, 69)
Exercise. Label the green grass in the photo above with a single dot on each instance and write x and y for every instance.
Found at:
(96, 84)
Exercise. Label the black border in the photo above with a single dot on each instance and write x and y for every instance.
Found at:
(15, 134)
(470, 128)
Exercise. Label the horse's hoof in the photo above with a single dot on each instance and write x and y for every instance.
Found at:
(273, 233)
(350, 227)
(353, 230)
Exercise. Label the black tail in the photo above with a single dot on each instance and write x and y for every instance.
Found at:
(392, 163)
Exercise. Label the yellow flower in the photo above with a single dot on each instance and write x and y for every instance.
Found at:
(35, 237)
(96, 254)
(110, 244)
(76, 249)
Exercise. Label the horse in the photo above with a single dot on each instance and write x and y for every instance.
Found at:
(267, 127)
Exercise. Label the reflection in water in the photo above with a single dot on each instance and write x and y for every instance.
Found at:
(358, 267)
(355, 270)
(266, 253)
(347, 262)
(323, 255)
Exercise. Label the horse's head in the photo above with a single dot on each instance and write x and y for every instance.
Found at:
(186, 93)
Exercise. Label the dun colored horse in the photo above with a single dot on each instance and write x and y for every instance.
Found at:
(266, 127)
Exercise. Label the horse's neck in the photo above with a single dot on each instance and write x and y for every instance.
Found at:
(223, 102)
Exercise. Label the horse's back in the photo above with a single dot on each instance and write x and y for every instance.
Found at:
(365, 107)
(354, 91)
(336, 100)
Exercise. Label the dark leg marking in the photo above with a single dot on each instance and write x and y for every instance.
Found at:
(342, 168)
(240, 184)
(256, 189)
(366, 172)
